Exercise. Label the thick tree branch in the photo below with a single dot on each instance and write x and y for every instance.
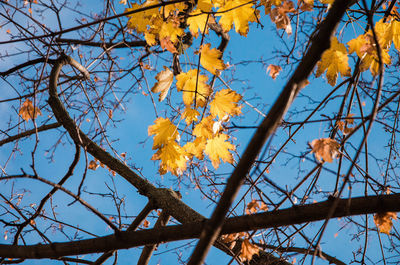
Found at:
(320, 43)
(128, 239)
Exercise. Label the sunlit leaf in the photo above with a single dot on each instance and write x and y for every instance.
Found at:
(28, 111)
(211, 59)
(164, 131)
(325, 148)
(218, 148)
(186, 82)
(248, 250)
(164, 79)
(225, 103)
(334, 61)
(384, 221)
(238, 12)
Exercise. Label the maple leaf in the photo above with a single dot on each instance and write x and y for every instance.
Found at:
(164, 79)
(384, 221)
(238, 12)
(164, 131)
(334, 61)
(365, 48)
(171, 30)
(197, 22)
(28, 111)
(280, 18)
(173, 158)
(166, 43)
(190, 115)
(396, 34)
(187, 83)
(273, 70)
(225, 103)
(210, 59)
(204, 128)
(248, 250)
(269, 3)
(196, 148)
(218, 148)
(325, 148)
(150, 38)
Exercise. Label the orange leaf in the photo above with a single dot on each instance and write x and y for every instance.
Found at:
(248, 250)
(93, 165)
(27, 111)
(325, 148)
(384, 221)
(273, 70)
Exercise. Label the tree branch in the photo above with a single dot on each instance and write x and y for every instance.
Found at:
(128, 239)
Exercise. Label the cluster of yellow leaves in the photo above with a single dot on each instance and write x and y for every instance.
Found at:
(384, 221)
(366, 49)
(208, 139)
(335, 60)
(159, 25)
(325, 148)
(28, 111)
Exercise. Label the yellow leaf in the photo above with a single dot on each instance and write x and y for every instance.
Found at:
(186, 82)
(396, 34)
(173, 9)
(28, 111)
(334, 61)
(218, 148)
(238, 12)
(164, 132)
(171, 30)
(190, 115)
(384, 221)
(196, 148)
(173, 158)
(225, 103)
(325, 148)
(365, 48)
(204, 128)
(197, 22)
(210, 59)
(273, 70)
(150, 38)
(204, 5)
(164, 79)
(141, 20)
(248, 250)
